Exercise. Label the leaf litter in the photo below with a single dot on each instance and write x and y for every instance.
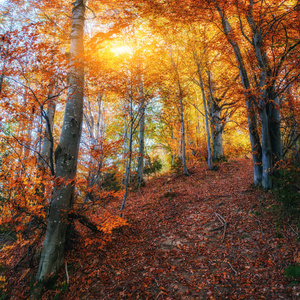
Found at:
(207, 236)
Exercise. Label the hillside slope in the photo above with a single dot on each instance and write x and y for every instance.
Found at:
(207, 236)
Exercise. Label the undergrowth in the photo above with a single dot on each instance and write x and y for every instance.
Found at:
(176, 165)
(153, 166)
(293, 273)
(287, 194)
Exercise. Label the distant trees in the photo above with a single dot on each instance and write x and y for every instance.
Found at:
(261, 38)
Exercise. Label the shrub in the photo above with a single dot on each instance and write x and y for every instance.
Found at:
(111, 181)
(177, 165)
(154, 165)
(293, 273)
(288, 192)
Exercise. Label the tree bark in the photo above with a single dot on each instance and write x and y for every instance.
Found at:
(48, 143)
(185, 169)
(217, 129)
(128, 166)
(250, 101)
(180, 96)
(66, 154)
(209, 159)
(275, 133)
(140, 168)
(95, 123)
(1, 80)
(266, 149)
(2, 76)
(269, 114)
(216, 125)
(173, 152)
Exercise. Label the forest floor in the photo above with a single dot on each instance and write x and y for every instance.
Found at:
(207, 236)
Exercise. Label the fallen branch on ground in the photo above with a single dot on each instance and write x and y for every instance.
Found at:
(67, 273)
(216, 229)
(232, 268)
(224, 224)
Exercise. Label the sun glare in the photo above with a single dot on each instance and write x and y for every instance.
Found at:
(119, 50)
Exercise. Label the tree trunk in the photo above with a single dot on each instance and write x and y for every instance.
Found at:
(266, 150)
(250, 101)
(209, 159)
(217, 129)
(216, 125)
(128, 167)
(2, 76)
(274, 117)
(173, 153)
(96, 131)
(198, 133)
(185, 169)
(48, 143)
(254, 140)
(181, 112)
(296, 145)
(275, 133)
(1, 81)
(140, 168)
(269, 113)
(66, 154)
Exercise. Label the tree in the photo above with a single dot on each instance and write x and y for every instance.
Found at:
(180, 96)
(66, 153)
(269, 83)
(208, 138)
(140, 168)
(251, 29)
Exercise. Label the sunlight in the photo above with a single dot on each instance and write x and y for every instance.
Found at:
(119, 50)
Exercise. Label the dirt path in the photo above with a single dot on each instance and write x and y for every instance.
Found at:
(207, 236)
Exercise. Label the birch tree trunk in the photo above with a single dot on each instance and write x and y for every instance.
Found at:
(66, 154)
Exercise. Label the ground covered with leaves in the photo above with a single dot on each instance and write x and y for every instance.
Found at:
(211, 235)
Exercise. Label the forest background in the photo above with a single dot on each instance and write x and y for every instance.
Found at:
(96, 97)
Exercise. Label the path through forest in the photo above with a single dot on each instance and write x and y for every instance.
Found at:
(207, 236)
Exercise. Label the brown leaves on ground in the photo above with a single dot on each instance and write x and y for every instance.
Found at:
(207, 236)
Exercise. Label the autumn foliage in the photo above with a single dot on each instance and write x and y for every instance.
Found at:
(185, 111)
